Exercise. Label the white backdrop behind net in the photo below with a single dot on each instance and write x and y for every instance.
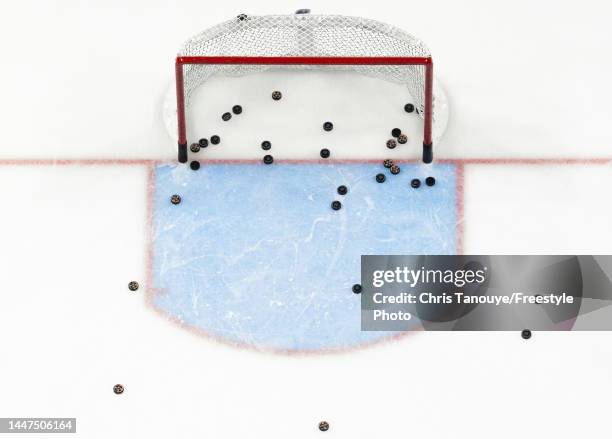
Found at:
(307, 35)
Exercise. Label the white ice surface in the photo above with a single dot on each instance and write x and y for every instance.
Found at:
(545, 209)
(523, 79)
(78, 79)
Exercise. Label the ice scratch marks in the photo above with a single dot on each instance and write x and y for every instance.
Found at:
(257, 256)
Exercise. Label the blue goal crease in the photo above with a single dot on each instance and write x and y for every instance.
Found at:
(255, 254)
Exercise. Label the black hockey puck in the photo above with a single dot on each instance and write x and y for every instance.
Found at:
(265, 145)
(175, 199)
(194, 165)
(395, 132)
(328, 126)
(195, 147)
(215, 140)
(357, 289)
(324, 153)
(237, 109)
(342, 190)
(380, 178)
(408, 108)
(415, 183)
(268, 159)
(203, 143)
(336, 205)
(430, 181)
(526, 334)
(277, 95)
(226, 116)
(323, 426)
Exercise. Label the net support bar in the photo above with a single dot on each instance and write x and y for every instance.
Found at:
(304, 60)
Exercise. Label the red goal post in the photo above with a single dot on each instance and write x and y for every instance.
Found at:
(427, 62)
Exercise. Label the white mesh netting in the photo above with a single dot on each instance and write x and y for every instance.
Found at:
(307, 35)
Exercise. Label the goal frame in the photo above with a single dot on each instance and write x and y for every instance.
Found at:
(181, 61)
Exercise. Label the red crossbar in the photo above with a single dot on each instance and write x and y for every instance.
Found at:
(305, 60)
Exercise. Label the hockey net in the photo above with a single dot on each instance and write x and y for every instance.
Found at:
(250, 44)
